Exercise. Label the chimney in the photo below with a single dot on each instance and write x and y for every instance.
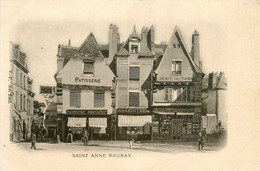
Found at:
(113, 41)
(69, 43)
(144, 35)
(212, 80)
(195, 49)
(150, 39)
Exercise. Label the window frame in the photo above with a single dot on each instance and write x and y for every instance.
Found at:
(172, 67)
(130, 73)
(75, 91)
(134, 91)
(88, 74)
(103, 100)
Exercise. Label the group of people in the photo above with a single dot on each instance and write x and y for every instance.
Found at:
(85, 135)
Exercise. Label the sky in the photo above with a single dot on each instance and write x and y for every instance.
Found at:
(40, 27)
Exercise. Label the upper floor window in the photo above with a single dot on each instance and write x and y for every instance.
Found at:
(17, 77)
(133, 99)
(24, 84)
(88, 68)
(175, 95)
(75, 98)
(99, 99)
(134, 48)
(21, 79)
(134, 73)
(177, 67)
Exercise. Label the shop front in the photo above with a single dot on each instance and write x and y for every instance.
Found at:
(97, 122)
(137, 124)
(171, 125)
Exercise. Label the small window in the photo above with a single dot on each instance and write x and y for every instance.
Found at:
(133, 99)
(174, 46)
(176, 67)
(134, 48)
(134, 73)
(75, 99)
(21, 79)
(24, 84)
(88, 68)
(17, 77)
(99, 99)
(179, 46)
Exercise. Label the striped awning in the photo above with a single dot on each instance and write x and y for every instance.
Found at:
(129, 120)
(76, 122)
(98, 122)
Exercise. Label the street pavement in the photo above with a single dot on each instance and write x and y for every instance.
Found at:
(121, 146)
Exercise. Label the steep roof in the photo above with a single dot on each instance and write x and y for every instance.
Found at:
(221, 82)
(89, 49)
(177, 33)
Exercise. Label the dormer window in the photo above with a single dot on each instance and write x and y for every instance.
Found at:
(88, 68)
(134, 48)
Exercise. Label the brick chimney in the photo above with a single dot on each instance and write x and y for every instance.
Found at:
(144, 34)
(113, 40)
(212, 80)
(150, 39)
(195, 49)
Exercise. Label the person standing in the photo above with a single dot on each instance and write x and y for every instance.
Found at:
(85, 137)
(200, 142)
(132, 139)
(33, 141)
(204, 134)
(70, 136)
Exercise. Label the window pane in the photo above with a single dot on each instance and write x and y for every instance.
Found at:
(134, 99)
(176, 67)
(88, 68)
(75, 98)
(99, 100)
(134, 73)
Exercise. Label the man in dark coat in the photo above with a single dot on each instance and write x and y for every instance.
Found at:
(85, 137)
(200, 142)
(33, 141)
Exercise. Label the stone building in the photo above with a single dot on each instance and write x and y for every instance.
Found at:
(132, 65)
(215, 100)
(21, 96)
(84, 90)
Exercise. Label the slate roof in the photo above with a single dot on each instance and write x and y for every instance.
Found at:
(67, 51)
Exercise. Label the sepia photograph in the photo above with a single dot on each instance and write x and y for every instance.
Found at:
(129, 85)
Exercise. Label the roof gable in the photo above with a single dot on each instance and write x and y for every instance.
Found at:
(176, 39)
(89, 48)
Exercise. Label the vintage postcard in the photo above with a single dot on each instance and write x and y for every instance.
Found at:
(130, 85)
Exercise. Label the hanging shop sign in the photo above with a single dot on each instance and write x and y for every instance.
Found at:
(86, 80)
(87, 112)
(174, 78)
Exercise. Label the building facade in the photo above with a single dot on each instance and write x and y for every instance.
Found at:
(215, 101)
(84, 91)
(176, 89)
(133, 63)
(21, 96)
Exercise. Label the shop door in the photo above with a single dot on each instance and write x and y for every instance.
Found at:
(176, 128)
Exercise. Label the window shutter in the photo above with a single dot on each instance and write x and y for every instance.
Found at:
(99, 100)
(75, 100)
(134, 73)
(88, 68)
(134, 99)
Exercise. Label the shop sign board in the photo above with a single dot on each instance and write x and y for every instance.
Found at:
(87, 112)
(174, 78)
(47, 89)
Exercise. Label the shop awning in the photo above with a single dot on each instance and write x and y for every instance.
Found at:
(129, 120)
(76, 122)
(98, 122)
